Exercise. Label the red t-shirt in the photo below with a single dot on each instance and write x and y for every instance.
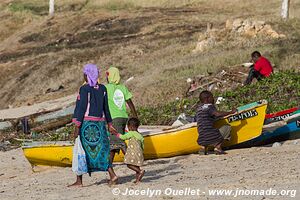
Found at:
(264, 66)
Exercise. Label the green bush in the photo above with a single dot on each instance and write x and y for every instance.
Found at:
(281, 90)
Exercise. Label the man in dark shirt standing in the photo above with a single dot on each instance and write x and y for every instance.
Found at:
(206, 116)
(262, 68)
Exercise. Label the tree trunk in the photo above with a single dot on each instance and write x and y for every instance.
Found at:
(285, 9)
(51, 7)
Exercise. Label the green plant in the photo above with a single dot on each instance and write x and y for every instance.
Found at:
(281, 90)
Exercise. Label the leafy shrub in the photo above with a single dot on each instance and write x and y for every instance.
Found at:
(281, 90)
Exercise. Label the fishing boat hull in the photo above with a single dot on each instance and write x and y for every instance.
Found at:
(281, 115)
(246, 125)
(290, 129)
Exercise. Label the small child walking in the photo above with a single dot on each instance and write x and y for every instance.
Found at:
(134, 155)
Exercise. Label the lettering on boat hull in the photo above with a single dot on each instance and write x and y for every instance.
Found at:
(243, 115)
(280, 118)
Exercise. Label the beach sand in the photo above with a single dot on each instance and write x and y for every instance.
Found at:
(256, 168)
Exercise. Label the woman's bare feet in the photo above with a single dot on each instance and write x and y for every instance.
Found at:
(113, 181)
(113, 177)
(139, 176)
(78, 182)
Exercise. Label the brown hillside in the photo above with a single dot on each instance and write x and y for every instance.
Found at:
(150, 40)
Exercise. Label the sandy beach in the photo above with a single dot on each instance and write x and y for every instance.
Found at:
(183, 177)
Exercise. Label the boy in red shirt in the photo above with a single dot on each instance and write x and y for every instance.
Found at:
(262, 68)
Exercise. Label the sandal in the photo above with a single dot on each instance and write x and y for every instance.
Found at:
(219, 152)
(203, 151)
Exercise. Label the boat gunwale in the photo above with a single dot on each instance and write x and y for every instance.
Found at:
(194, 124)
(282, 112)
(47, 145)
(177, 129)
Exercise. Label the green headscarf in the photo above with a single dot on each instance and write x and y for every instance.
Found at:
(113, 75)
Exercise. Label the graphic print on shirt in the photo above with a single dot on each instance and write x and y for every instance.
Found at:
(205, 106)
(119, 98)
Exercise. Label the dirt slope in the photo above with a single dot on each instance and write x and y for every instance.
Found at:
(41, 58)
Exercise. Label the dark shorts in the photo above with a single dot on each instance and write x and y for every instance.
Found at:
(225, 131)
(116, 144)
(253, 74)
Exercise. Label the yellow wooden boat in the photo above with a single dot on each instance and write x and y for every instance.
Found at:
(246, 125)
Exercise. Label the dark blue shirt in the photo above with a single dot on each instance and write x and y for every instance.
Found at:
(91, 104)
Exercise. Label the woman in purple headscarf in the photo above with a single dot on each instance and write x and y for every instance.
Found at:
(90, 117)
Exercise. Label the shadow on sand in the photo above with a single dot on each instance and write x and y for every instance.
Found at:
(150, 175)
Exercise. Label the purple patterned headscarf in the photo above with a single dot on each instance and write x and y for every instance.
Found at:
(92, 73)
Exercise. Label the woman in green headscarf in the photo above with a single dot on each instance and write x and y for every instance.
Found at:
(118, 97)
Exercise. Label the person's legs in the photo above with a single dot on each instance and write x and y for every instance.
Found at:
(204, 150)
(134, 168)
(257, 75)
(226, 132)
(218, 149)
(78, 182)
(140, 176)
(112, 175)
(139, 173)
(116, 144)
(111, 156)
(251, 75)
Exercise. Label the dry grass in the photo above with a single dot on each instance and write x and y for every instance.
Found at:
(134, 4)
(151, 40)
